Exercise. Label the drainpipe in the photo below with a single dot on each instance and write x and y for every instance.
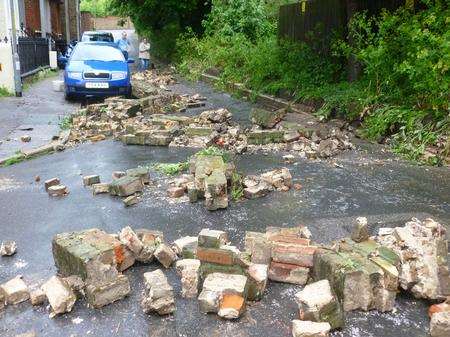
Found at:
(66, 17)
(15, 54)
(43, 11)
(78, 19)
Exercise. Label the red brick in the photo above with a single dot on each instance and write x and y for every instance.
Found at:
(289, 273)
(232, 301)
(289, 239)
(293, 254)
(219, 256)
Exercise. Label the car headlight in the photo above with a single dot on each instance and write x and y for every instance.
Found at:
(76, 75)
(118, 75)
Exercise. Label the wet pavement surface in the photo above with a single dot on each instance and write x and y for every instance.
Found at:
(37, 114)
(366, 182)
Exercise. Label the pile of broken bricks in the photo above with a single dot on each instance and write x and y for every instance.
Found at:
(210, 179)
(223, 278)
(54, 188)
(156, 119)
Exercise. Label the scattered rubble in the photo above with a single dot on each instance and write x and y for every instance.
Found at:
(37, 296)
(440, 324)
(189, 269)
(317, 303)
(15, 291)
(25, 138)
(165, 255)
(59, 295)
(158, 294)
(8, 248)
(310, 329)
(91, 180)
(51, 182)
(131, 200)
(287, 251)
(58, 191)
(422, 249)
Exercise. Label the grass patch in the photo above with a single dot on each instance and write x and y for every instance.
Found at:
(17, 158)
(215, 151)
(5, 92)
(66, 122)
(237, 187)
(171, 169)
(39, 76)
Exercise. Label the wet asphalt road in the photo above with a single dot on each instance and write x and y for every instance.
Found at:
(369, 183)
(37, 114)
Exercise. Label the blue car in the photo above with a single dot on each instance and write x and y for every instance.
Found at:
(97, 69)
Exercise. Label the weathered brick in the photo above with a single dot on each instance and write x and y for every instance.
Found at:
(293, 254)
(126, 186)
(91, 180)
(288, 273)
(209, 238)
(216, 255)
(51, 182)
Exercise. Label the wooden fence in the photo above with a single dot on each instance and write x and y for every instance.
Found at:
(317, 21)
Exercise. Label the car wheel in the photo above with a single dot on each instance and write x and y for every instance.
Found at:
(69, 97)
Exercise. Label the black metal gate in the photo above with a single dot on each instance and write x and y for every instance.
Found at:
(33, 54)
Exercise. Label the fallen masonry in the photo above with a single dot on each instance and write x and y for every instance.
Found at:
(59, 295)
(155, 119)
(211, 179)
(8, 248)
(57, 191)
(158, 294)
(15, 291)
(317, 303)
(422, 248)
(189, 271)
(310, 329)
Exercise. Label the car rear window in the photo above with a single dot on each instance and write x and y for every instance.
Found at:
(97, 37)
(85, 52)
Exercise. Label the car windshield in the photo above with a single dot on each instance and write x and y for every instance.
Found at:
(97, 53)
(97, 37)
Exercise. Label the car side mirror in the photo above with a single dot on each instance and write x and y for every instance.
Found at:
(130, 60)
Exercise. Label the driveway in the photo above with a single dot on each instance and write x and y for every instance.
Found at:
(37, 114)
(366, 182)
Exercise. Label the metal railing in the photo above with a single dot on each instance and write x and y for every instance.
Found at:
(33, 54)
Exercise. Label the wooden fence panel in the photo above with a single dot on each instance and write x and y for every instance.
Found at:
(316, 21)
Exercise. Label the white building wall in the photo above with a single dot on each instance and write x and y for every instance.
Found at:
(6, 58)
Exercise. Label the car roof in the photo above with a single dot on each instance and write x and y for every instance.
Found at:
(96, 32)
(98, 43)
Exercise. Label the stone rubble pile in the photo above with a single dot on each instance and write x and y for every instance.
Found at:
(54, 188)
(210, 178)
(423, 251)
(363, 266)
(148, 121)
(287, 251)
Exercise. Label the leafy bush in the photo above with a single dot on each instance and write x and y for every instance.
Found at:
(247, 17)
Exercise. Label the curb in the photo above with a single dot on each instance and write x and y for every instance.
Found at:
(268, 100)
(54, 146)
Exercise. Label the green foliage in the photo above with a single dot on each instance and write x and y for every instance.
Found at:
(171, 169)
(237, 187)
(66, 122)
(405, 55)
(4, 92)
(215, 151)
(162, 21)
(247, 17)
(99, 8)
